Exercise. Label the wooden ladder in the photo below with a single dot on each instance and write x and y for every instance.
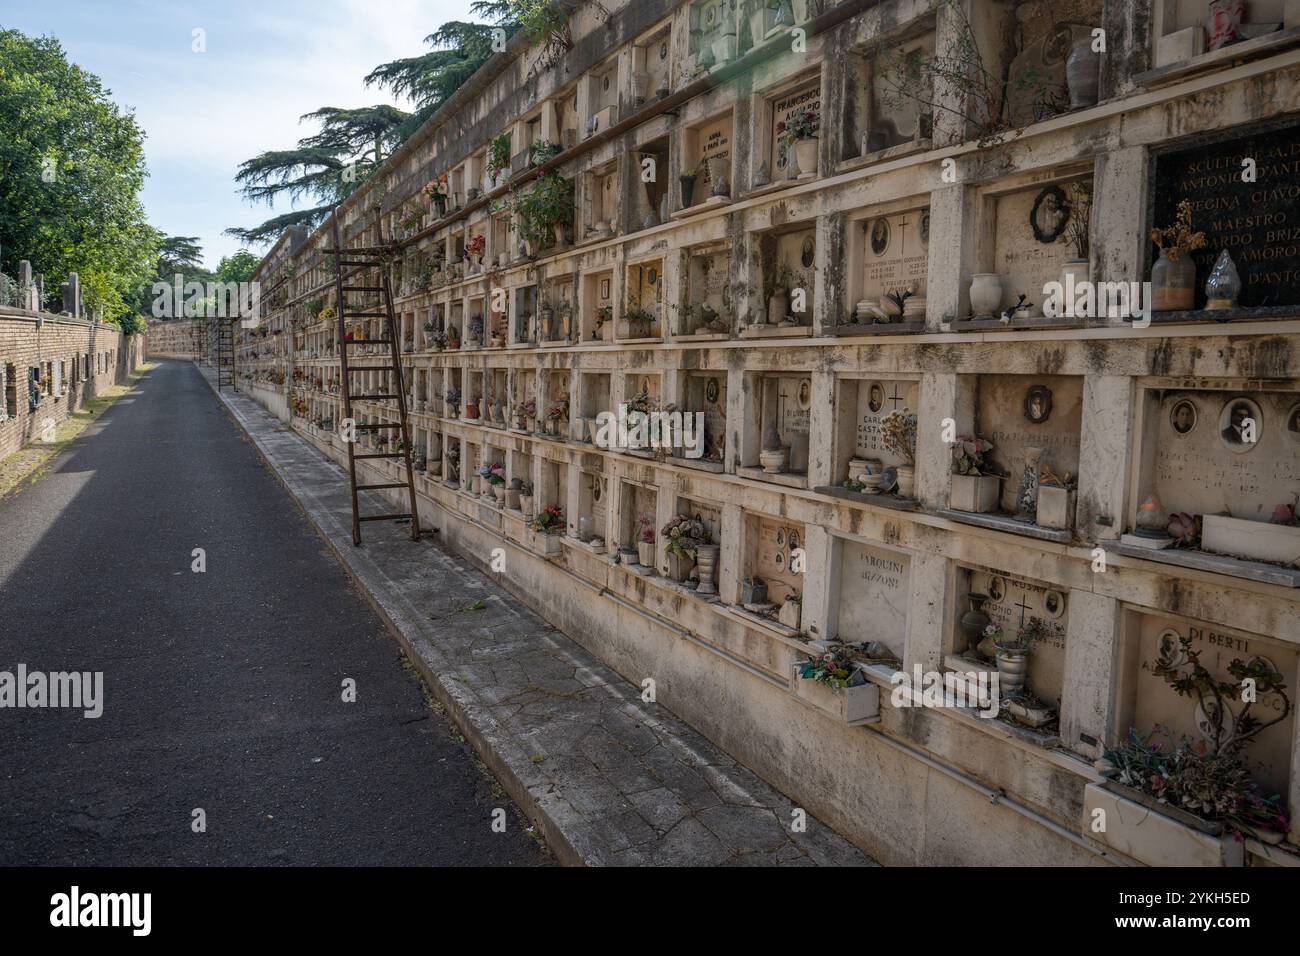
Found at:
(226, 354)
(365, 272)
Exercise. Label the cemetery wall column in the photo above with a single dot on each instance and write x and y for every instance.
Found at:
(1119, 248)
(952, 255)
(931, 593)
(1092, 636)
(1104, 441)
(943, 395)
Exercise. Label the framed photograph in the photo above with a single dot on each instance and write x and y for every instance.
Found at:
(1038, 404)
(809, 252)
(1293, 423)
(711, 391)
(1050, 214)
(880, 237)
(1240, 425)
(805, 393)
(604, 288)
(875, 397)
(1053, 605)
(1183, 416)
(997, 590)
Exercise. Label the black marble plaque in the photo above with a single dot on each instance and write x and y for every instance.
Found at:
(1257, 221)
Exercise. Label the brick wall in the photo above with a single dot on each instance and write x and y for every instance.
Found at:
(75, 357)
(179, 338)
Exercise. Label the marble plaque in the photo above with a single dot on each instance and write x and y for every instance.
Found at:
(876, 399)
(1001, 418)
(1025, 261)
(1257, 222)
(896, 251)
(873, 595)
(714, 143)
(1012, 603)
(1203, 467)
(797, 251)
(1269, 754)
(777, 544)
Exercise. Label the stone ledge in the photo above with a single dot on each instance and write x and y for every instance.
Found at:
(1214, 563)
(846, 329)
(1008, 524)
(892, 502)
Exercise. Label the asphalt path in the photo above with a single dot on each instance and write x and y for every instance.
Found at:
(223, 690)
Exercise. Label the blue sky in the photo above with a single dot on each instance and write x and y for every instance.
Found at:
(266, 64)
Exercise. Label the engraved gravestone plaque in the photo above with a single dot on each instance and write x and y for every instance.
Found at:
(1255, 217)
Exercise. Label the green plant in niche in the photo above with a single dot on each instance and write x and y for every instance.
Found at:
(499, 154)
(548, 204)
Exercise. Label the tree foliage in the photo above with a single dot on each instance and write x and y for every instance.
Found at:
(71, 170)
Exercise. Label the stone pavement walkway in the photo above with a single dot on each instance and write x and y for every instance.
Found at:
(610, 780)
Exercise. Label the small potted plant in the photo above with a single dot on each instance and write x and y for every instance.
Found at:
(1055, 505)
(800, 133)
(1013, 655)
(645, 546)
(976, 485)
(526, 499)
(604, 330)
(513, 491)
(898, 433)
(477, 247)
(687, 182)
(683, 537)
(437, 191)
(452, 400)
(530, 413)
(453, 338)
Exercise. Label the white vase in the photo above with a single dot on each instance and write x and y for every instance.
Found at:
(985, 294)
(906, 480)
(645, 553)
(774, 460)
(805, 153)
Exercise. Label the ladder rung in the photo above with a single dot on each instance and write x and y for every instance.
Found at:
(382, 517)
(381, 454)
(397, 484)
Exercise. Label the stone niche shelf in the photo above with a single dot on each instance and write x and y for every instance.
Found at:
(1015, 325)
(956, 664)
(787, 479)
(921, 145)
(776, 332)
(702, 337)
(713, 202)
(878, 328)
(766, 625)
(859, 498)
(1214, 563)
(1264, 45)
(1198, 316)
(1008, 524)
